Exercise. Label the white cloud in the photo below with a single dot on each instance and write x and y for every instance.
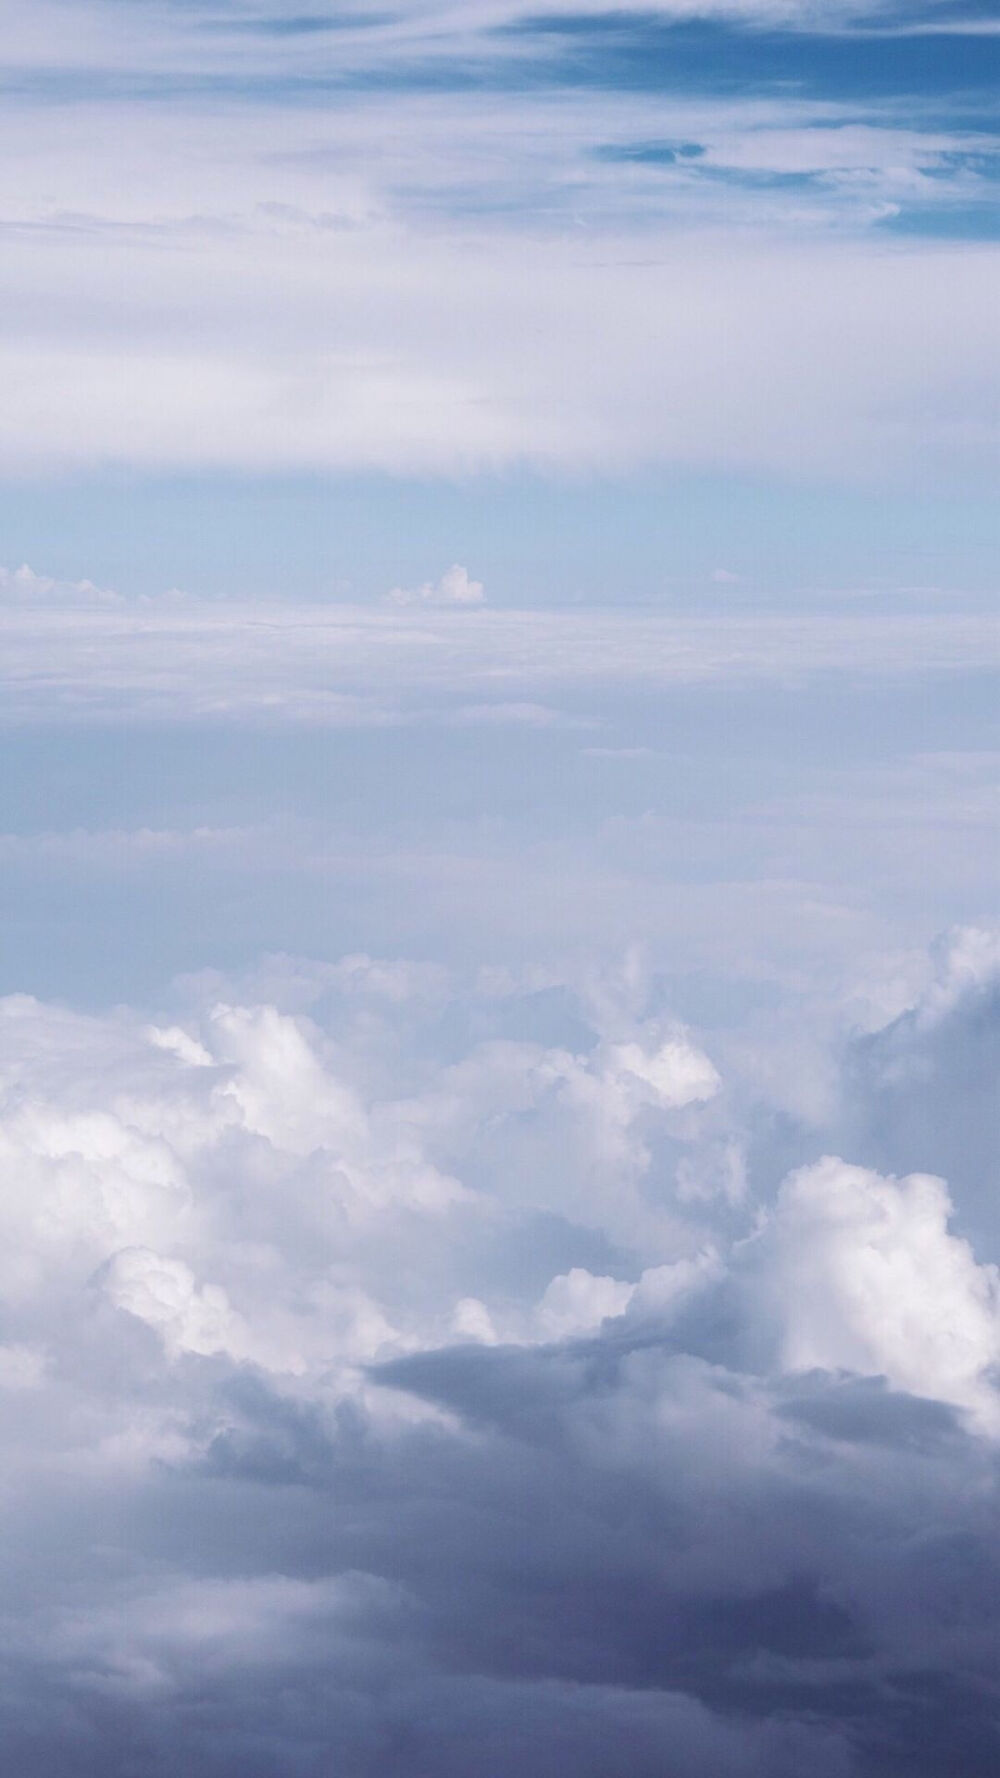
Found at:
(222, 1179)
(674, 1073)
(454, 588)
(968, 961)
(576, 1302)
(23, 586)
(164, 1293)
(435, 388)
(865, 1276)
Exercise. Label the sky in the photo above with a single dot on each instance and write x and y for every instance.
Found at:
(500, 950)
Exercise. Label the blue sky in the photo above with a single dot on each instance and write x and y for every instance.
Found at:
(499, 962)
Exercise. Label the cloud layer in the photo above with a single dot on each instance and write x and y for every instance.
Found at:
(73, 651)
(403, 1404)
(464, 240)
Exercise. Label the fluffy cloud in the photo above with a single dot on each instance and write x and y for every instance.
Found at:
(23, 586)
(454, 588)
(404, 1408)
(865, 1276)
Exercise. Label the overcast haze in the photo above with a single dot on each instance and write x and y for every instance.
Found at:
(500, 951)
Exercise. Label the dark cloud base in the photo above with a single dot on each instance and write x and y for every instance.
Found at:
(593, 1565)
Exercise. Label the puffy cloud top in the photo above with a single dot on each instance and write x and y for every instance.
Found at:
(405, 1412)
(454, 588)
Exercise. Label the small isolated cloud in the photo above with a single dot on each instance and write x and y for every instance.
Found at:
(22, 586)
(454, 588)
(725, 577)
(523, 715)
(618, 752)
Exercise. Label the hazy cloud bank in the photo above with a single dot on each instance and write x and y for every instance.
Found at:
(72, 651)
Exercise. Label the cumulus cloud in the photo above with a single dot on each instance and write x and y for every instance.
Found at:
(405, 1407)
(454, 588)
(23, 586)
(865, 1276)
(164, 1294)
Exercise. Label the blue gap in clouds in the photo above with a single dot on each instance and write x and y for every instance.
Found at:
(959, 213)
(939, 15)
(955, 222)
(744, 178)
(648, 154)
(309, 24)
(643, 52)
(625, 52)
(971, 212)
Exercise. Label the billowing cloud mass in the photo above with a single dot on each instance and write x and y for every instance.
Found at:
(385, 1399)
